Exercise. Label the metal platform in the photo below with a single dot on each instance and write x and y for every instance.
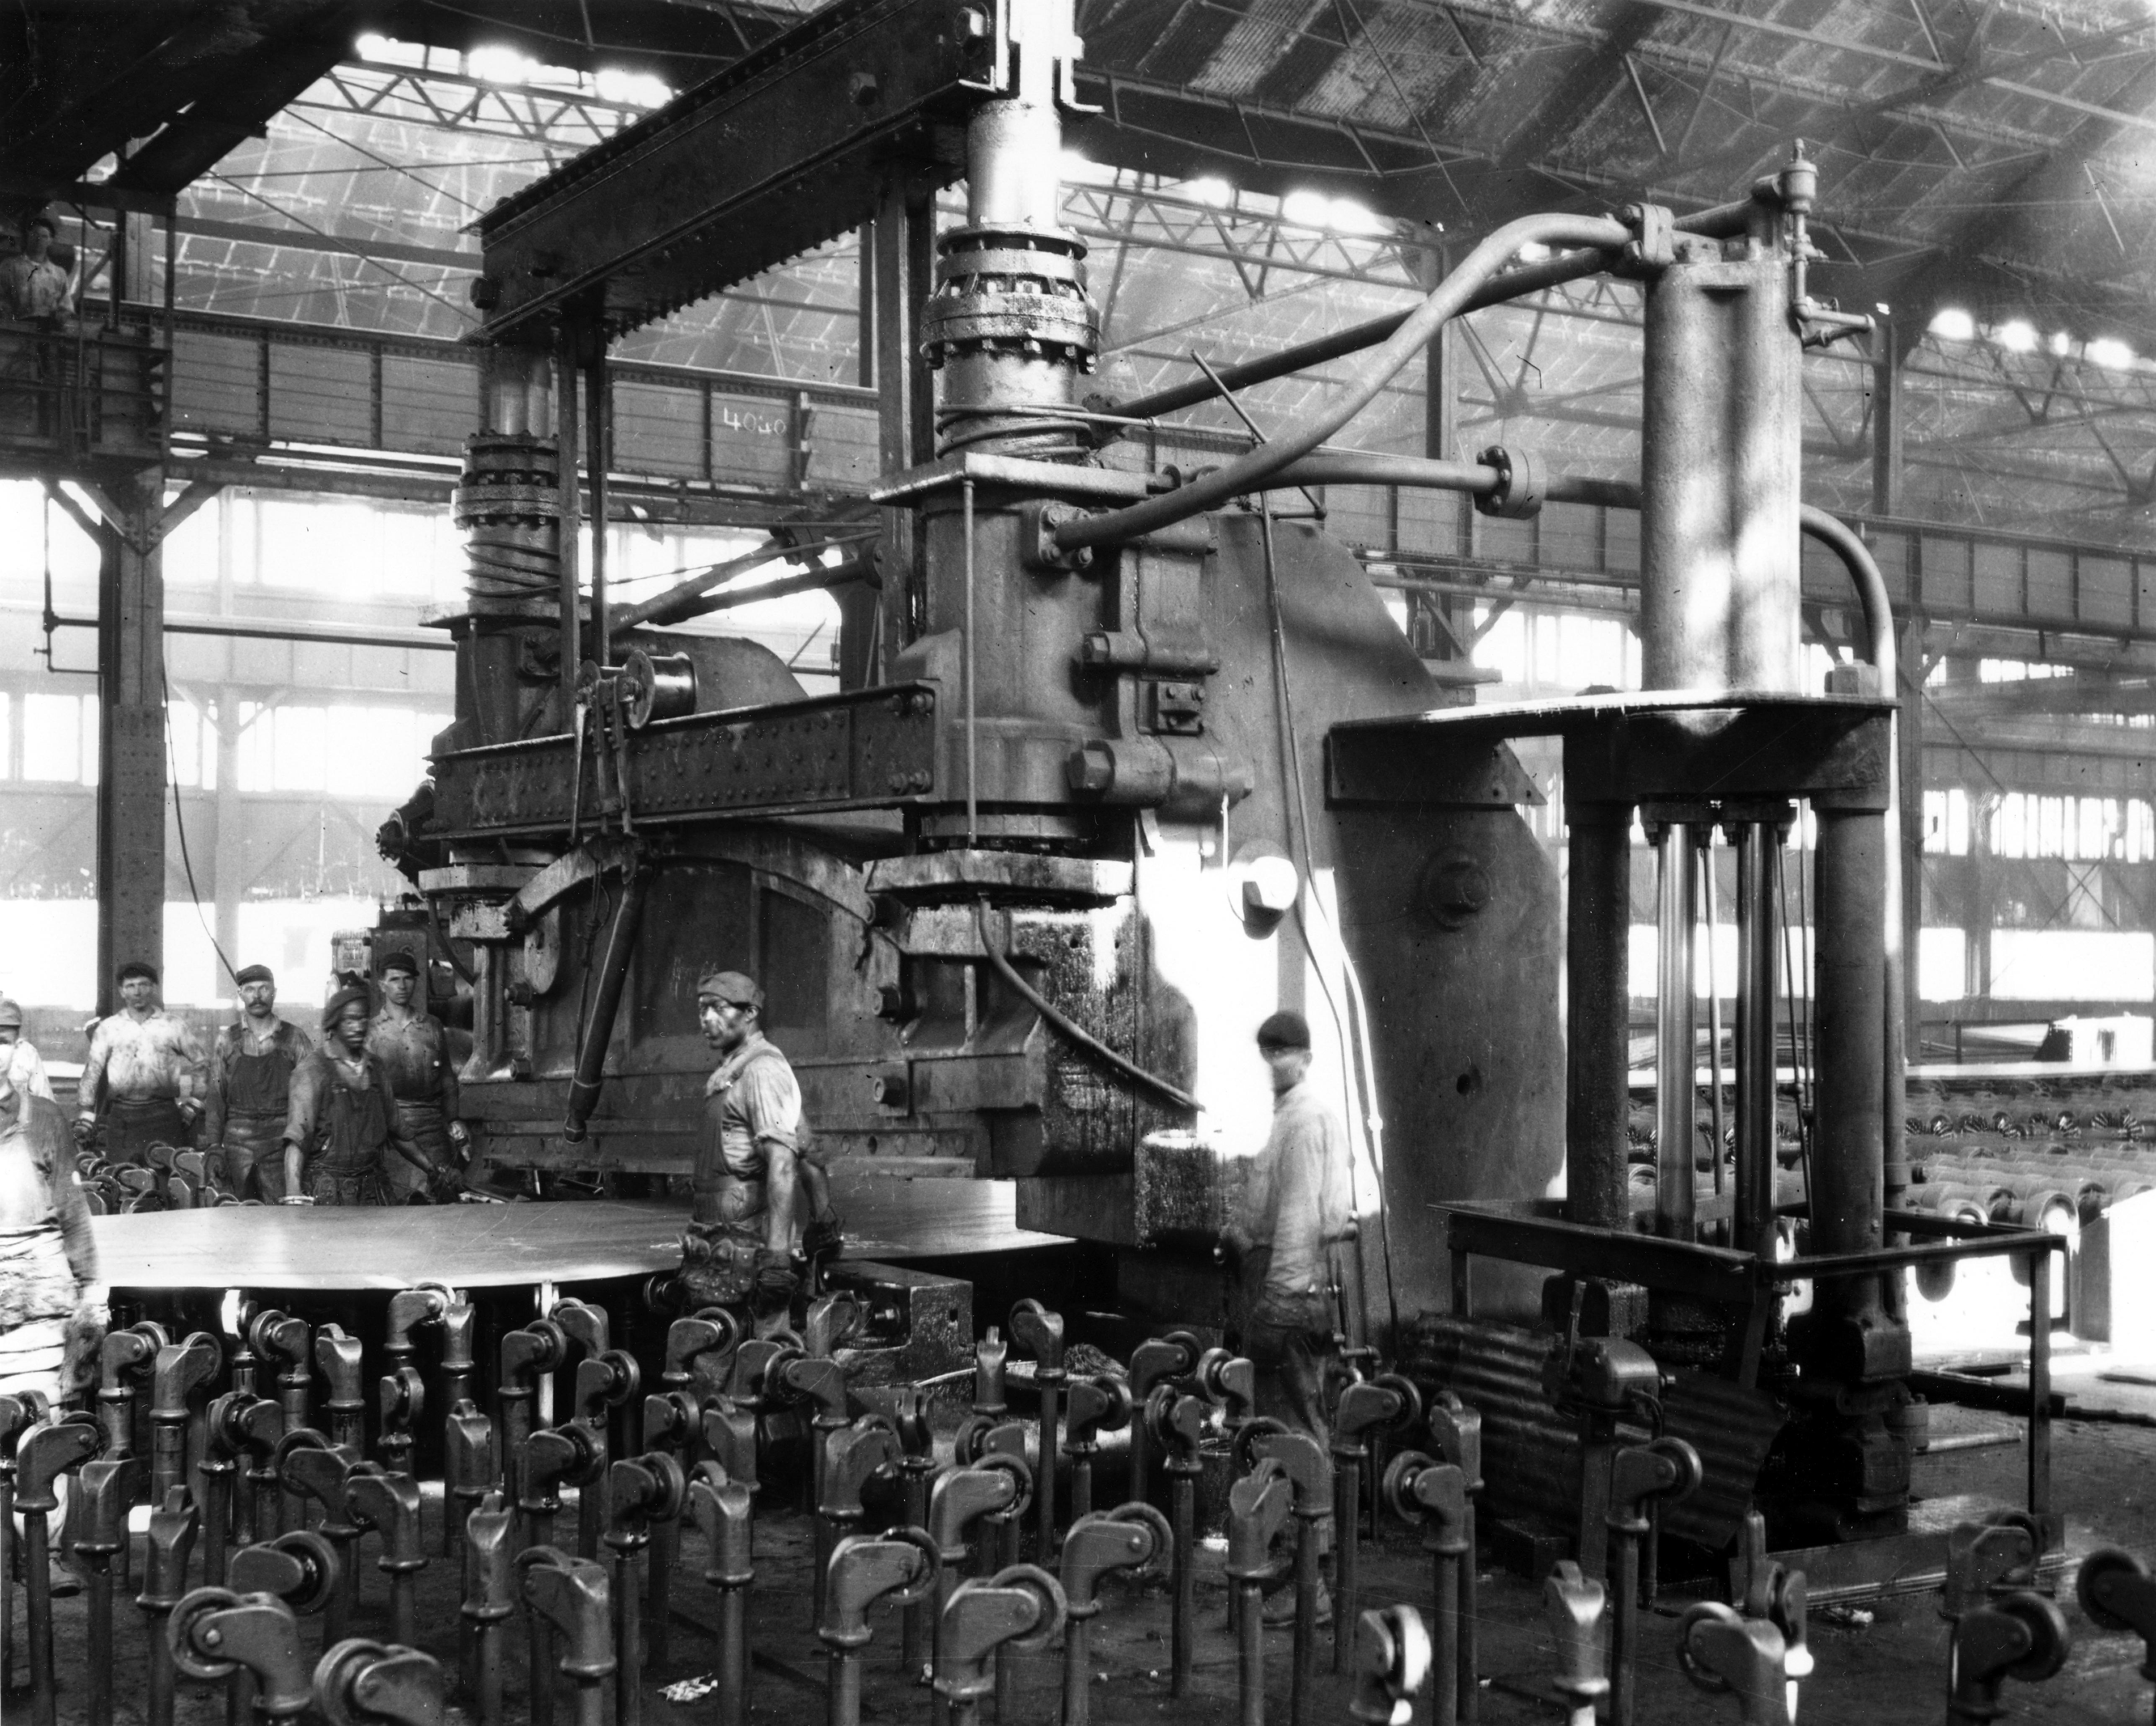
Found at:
(499, 1246)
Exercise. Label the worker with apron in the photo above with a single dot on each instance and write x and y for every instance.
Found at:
(140, 1084)
(342, 1122)
(250, 1085)
(413, 1048)
(739, 1250)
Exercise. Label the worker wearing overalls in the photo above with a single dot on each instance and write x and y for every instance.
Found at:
(413, 1048)
(140, 1085)
(343, 1121)
(250, 1087)
(740, 1251)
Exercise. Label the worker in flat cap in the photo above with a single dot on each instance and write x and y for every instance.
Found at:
(143, 1082)
(749, 1165)
(343, 1121)
(250, 1086)
(18, 1056)
(413, 1048)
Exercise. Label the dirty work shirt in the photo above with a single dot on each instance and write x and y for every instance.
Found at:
(147, 1060)
(343, 1118)
(413, 1049)
(1297, 1199)
(250, 1082)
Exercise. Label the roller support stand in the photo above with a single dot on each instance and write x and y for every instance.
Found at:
(1153, 1362)
(1128, 1538)
(1363, 1406)
(215, 1633)
(389, 1504)
(18, 1412)
(1040, 1332)
(301, 1570)
(470, 1471)
(1573, 1602)
(640, 1491)
(2021, 1635)
(556, 1454)
(172, 1540)
(289, 1342)
(41, 1459)
(344, 1412)
(960, 1498)
(1018, 1610)
(1433, 1496)
(361, 1683)
(107, 1487)
(605, 1382)
(669, 1425)
(1311, 1470)
(900, 1567)
(1641, 1476)
(571, 1595)
(1455, 1430)
(724, 1514)
(1392, 1666)
(540, 1347)
(1259, 1506)
(853, 1455)
(180, 1382)
(489, 1602)
(917, 1468)
(1175, 1421)
(311, 1467)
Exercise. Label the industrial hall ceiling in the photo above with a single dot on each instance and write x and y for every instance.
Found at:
(1260, 171)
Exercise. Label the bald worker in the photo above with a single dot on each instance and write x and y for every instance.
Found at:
(142, 1081)
(342, 1122)
(250, 1085)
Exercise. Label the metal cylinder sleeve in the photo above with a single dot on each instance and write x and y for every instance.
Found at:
(1011, 327)
(508, 504)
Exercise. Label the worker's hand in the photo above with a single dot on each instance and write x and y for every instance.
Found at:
(822, 1238)
(85, 1130)
(85, 1332)
(443, 1183)
(774, 1284)
(296, 1198)
(189, 1110)
(461, 1136)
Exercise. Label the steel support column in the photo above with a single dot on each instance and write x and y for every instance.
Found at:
(902, 240)
(1598, 1005)
(131, 733)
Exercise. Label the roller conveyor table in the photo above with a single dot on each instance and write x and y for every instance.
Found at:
(494, 1245)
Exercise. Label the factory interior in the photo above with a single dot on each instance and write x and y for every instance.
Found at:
(1112, 861)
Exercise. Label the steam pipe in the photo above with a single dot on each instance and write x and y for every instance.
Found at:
(1720, 222)
(598, 1029)
(1407, 343)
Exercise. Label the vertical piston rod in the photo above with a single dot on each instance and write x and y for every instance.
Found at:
(1676, 1110)
(1756, 985)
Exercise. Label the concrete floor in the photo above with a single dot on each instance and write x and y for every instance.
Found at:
(1885, 1664)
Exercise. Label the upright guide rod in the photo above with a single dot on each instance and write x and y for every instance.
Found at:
(1676, 1110)
(1757, 841)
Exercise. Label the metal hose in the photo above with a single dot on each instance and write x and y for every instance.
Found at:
(1249, 471)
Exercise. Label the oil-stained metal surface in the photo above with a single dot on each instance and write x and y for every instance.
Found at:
(862, 748)
(1531, 1452)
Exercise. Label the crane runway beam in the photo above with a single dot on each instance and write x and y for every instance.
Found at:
(787, 149)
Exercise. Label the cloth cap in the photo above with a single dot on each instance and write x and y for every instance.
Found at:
(333, 1008)
(138, 968)
(397, 959)
(1285, 1031)
(252, 974)
(10, 1014)
(730, 985)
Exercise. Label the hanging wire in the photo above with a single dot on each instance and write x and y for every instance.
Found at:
(180, 827)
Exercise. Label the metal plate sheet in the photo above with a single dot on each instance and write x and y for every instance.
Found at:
(502, 1246)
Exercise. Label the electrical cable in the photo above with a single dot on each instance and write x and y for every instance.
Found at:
(1070, 1029)
(180, 827)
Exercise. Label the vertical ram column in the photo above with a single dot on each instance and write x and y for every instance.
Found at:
(509, 505)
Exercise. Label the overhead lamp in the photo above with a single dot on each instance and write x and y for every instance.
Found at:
(1213, 192)
(1307, 209)
(1348, 216)
(372, 46)
(1954, 324)
(2017, 336)
(2061, 344)
(498, 64)
(632, 90)
(2109, 351)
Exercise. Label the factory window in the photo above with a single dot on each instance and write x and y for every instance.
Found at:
(1558, 650)
(2023, 824)
(358, 752)
(191, 734)
(59, 739)
(1946, 822)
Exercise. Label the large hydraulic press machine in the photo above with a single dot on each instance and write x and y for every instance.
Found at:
(1123, 761)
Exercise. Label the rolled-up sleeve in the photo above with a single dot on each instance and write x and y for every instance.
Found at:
(769, 1098)
(303, 1103)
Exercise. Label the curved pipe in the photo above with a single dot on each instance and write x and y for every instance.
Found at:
(1077, 1033)
(1248, 471)
(598, 1029)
